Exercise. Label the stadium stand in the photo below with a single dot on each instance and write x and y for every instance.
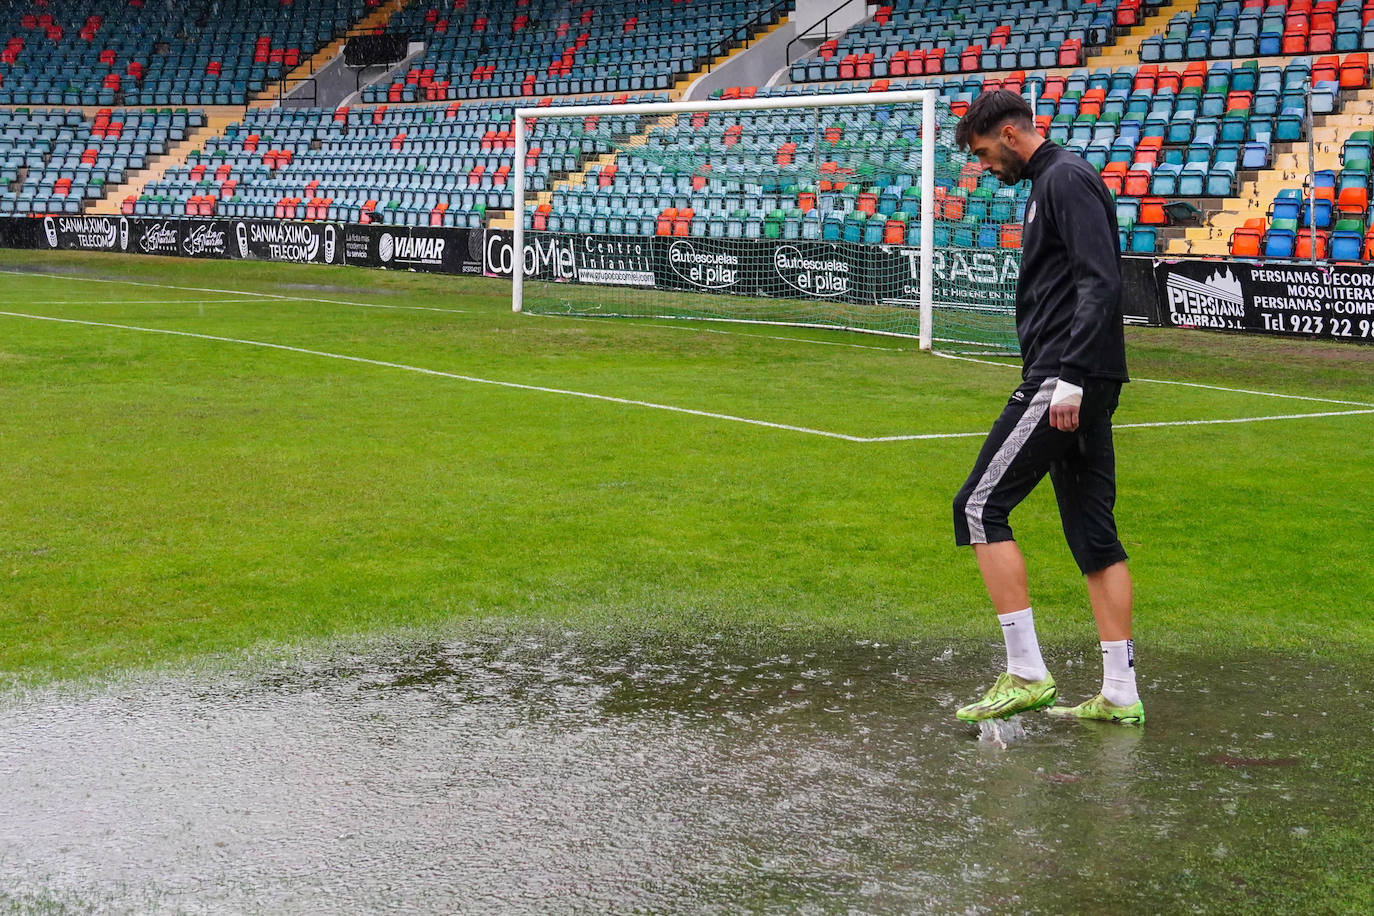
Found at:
(916, 37)
(150, 52)
(58, 160)
(442, 165)
(1235, 29)
(495, 49)
(1190, 111)
(1157, 135)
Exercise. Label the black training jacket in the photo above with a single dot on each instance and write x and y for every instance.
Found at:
(1068, 298)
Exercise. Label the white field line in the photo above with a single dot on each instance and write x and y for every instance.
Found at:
(1155, 381)
(696, 330)
(450, 375)
(232, 292)
(625, 401)
(1162, 423)
(146, 302)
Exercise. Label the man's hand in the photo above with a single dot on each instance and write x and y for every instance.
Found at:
(1064, 405)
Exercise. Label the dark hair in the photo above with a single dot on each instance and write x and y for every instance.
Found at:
(989, 112)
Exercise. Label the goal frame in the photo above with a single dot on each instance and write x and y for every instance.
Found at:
(927, 97)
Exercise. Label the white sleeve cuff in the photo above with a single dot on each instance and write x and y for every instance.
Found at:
(1066, 393)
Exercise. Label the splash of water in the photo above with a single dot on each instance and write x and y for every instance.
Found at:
(1001, 732)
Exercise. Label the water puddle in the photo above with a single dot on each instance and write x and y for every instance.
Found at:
(557, 773)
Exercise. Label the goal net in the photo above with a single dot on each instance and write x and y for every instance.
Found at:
(848, 211)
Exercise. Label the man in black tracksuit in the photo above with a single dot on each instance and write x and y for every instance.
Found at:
(1059, 421)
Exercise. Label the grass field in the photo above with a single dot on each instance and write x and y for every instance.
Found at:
(326, 584)
(312, 452)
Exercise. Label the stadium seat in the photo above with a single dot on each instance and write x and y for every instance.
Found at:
(1279, 243)
(1346, 245)
(1307, 248)
(1353, 202)
(1246, 240)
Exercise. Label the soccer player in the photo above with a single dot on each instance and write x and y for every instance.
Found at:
(1059, 421)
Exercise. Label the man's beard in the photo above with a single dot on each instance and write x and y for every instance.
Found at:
(1012, 170)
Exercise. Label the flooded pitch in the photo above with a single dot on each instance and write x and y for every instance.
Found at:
(560, 774)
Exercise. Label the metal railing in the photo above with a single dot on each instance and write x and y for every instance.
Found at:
(745, 34)
(823, 21)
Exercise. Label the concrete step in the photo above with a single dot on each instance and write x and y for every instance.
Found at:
(273, 94)
(1126, 51)
(216, 120)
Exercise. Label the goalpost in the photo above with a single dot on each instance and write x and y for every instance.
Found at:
(823, 210)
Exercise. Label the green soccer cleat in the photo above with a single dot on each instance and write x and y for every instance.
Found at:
(1010, 695)
(1100, 709)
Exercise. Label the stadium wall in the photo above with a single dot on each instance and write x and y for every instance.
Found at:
(1326, 300)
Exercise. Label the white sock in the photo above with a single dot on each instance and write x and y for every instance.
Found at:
(1023, 649)
(1118, 672)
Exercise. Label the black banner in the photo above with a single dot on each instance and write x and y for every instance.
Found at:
(151, 236)
(1332, 301)
(1139, 294)
(259, 239)
(824, 270)
(86, 233)
(205, 238)
(547, 256)
(450, 251)
(746, 267)
(292, 242)
(709, 265)
(372, 50)
(969, 277)
(21, 233)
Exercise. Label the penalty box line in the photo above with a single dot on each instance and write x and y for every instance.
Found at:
(233, 292)
(1156, 381)
(450, 375)
(609, 398)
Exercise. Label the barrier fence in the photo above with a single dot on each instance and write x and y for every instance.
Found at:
(1327, 300)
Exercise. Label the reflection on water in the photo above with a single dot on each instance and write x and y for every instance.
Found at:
(556, 774)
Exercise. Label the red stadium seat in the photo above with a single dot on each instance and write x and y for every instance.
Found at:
(664, 225)
(1305, 244)
(1352, 203)
(1326, 69)
(1137, 183)
(540, 220)
(1152, 212)
(1295, 34)
(1355, 71)
(1246, 242)
(1114, 176)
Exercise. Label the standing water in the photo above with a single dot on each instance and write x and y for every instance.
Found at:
(539, 774)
